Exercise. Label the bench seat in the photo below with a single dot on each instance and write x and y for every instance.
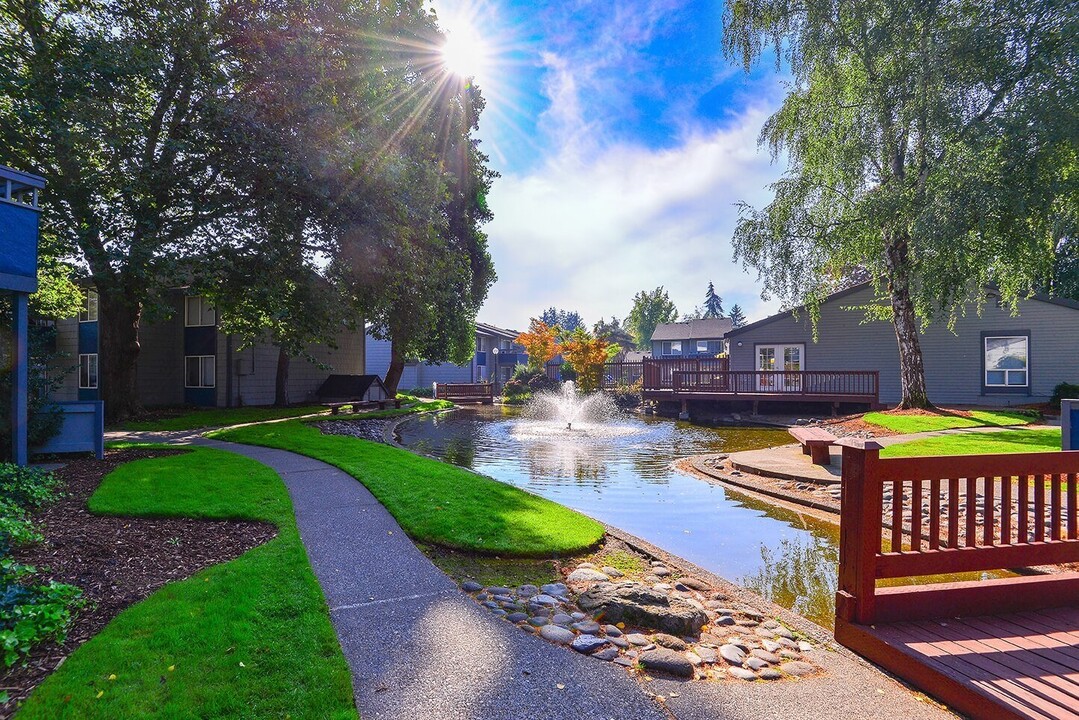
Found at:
(815, 443)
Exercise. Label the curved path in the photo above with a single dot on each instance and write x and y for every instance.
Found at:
(419, 649)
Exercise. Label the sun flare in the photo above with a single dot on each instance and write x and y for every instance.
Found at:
(465, 52)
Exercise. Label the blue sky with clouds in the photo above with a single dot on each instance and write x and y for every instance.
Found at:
(624, 140)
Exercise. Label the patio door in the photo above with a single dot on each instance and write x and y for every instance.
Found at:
(786, 358)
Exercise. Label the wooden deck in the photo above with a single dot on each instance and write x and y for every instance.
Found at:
(483, 393)
(1006, 648)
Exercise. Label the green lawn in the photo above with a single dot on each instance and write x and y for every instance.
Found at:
(250, 638)
(221, 417)
(904, 424)
(436, 502)
(985, 443)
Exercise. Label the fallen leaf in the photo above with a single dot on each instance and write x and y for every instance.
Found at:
(242, 665)
(560, 686)
(100, 693)
(112, 677)
(171, 668)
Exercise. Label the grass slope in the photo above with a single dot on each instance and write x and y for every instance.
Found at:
(250, 638)
(986, 443)
(221, 417)
(904, 424)
(435, 502)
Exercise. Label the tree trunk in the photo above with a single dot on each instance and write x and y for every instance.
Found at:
(394, 371)
(281, 384)
(118, 353)
(905, 321)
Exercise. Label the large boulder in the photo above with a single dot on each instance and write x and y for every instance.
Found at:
(636, 604)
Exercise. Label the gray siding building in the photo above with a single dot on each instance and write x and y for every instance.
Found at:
(991, 358)
(185, 360)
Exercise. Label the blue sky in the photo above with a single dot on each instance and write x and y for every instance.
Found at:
(624, 140)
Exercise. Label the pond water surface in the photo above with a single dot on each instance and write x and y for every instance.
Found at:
(620, 473)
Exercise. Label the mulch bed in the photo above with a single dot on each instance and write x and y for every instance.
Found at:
(117, 561)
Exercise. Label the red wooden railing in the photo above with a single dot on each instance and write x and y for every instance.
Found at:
(616, 374)
(466, 391)
(950, 515)
(658, 373)
(819, 383)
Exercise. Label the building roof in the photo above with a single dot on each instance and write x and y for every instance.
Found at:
(348, 387)
(707, 328)
(496, 331)
(1040, 297)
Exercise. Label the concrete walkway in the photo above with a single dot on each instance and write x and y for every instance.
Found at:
(419, 649)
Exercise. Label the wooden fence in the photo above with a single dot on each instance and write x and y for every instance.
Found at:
(466, 392)
(818, 383)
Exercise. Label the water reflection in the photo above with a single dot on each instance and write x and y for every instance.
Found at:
(801, 575)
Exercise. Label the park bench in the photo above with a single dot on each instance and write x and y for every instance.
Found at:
(815, 443)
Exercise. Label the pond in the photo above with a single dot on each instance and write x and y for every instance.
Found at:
(620, 473)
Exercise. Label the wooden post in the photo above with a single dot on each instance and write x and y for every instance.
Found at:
(859, 530)
(20, 377)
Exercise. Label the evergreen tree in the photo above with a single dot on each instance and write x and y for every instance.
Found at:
(713, 304)
(738, 319)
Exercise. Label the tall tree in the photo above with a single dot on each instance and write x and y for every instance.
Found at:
(614, 332)
(713, 304)
(566, 320)
(108, 100)
(540, 343)
(1065, 278)
(927, 141)
(738, 318)
(650, 308)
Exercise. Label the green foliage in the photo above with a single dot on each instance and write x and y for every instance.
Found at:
(614, 332)
(435, 502)
(568, 320)
(30, 612)
(986, 443)
(944, 420)
(932, 146)
(250, 638)
(649, 310)
(47, 371)
(1064, 391)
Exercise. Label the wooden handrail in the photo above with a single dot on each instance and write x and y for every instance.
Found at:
(1037, 522)
(466, 390)
(838, 383)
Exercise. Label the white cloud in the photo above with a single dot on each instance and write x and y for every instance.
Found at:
(589, 228)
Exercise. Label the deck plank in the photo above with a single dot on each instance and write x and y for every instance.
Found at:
(1026, 696)
(1021, 638)
(1057, 626)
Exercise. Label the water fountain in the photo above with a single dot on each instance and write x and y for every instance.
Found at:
(566, 412)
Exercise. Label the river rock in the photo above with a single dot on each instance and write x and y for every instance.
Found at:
(589, 627)
(770, 674)
(527, 591)
(754, 663)
(706, 654)
(765, 656)
(742, 673)
(470, 586)
(670, 642)
(635, 604)
(667, 661)
(498, 590)
(586, 575)
(724, 620)
(543, 599)
(612, 571)
(561, 619)
(733, 654)
(638, 639)
(661, 572)
(606, 654)
(556, 634)
(612, 630)
(797, 668)
(695, 583)
(558, 589)
(588, 644)
(587, 566)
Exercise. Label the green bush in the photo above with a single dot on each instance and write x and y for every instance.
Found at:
(1064, 391)
(420, 392)
(29, 613)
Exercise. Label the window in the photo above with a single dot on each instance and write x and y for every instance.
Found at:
(506, 345)
(672, 347)
(88, 372)
(200, 371)
(702, 347)
(88, 313)
(198, 312)
(1006, 362)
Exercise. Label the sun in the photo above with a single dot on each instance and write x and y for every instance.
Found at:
(465, 52)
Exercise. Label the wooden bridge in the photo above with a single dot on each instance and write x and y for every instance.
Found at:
(684, 379)
(483, 393)
(1004, 648)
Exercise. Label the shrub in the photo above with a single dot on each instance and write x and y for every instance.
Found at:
(1064, 391)
(423, 392)
(29, 613)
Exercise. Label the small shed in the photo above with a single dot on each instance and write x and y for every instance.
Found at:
(348, 388)
(19, 219)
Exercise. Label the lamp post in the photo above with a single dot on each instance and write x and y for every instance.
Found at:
(494, 357)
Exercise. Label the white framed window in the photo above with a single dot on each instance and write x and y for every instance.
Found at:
(200, 371)
(88, 371)
(1007, 361)
(702, 347)
(199, 312)
(672, 347)
(88, 313)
